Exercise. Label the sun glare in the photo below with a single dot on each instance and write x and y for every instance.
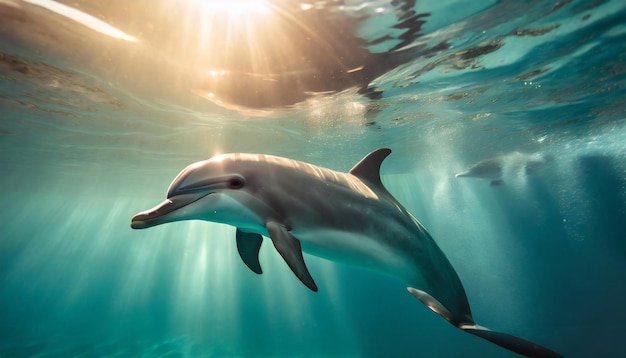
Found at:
(235, 7)
(253, 56)
(83, 19)
(228, 33)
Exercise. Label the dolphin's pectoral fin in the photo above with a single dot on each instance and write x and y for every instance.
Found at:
(368, 168)
(289, 248)
(248, 245)
(512, 343)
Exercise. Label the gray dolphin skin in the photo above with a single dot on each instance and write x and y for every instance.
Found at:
(345, 217)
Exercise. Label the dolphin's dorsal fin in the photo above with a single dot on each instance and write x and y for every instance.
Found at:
(289, 248)
(248, 245)
(368, 168)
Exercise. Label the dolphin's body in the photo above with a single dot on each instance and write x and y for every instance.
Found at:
(346, 217)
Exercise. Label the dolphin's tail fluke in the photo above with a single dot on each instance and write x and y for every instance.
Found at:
(466, 323)
(512, 343)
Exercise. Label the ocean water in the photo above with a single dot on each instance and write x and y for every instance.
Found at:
(103, 103)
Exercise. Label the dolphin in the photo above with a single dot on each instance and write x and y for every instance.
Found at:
(488, 168)
(511, 165)
(346, 217)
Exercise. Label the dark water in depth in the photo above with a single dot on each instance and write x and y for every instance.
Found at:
(94, 124)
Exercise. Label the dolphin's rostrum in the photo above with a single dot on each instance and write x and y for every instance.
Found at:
(347, 217)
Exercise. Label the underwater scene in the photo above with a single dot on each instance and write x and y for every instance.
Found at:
(461, 155)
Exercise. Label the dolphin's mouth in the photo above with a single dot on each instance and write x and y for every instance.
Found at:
(152, 217)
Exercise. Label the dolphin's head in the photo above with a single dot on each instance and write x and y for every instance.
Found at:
(205, 190)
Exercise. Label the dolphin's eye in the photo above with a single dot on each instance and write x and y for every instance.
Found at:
(235, 183)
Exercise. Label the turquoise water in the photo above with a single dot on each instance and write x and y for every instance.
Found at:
(95, 125)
